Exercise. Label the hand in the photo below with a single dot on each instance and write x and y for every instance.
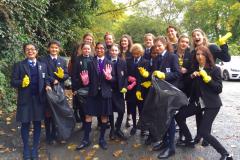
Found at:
(222, 40)
(139, 95)
(48, 88)
(143, 72)
(130, 87)
(25, 81)
(123, 90)
(131, 79)
(159, 75)
(59, 73)
(195, 74)
(146, 84)
(183, 70)
(107, 72)
(55, 81)
(84, 77)
(205, 76)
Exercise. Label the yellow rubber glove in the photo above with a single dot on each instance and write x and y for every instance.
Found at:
(205, 76)
(26, 81)
(123, 90)
(222, 40)
(59, 73)
(146, 84)
(159, 75)
(180, 61)
(143, 72)
(139, 95)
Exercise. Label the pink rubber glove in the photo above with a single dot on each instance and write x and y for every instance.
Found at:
(130, 87)
(131, 79)
(107, 72)
(84, 77)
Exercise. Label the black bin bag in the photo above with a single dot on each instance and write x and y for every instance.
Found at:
(161, 104)
(63, 115)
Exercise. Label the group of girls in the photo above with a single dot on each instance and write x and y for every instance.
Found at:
(114, 74)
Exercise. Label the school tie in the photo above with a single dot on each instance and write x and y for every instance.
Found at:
(55, 61)
(31, 63)
(100, 66)
(135, 60)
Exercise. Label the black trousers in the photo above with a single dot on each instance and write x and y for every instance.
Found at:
(205, 126)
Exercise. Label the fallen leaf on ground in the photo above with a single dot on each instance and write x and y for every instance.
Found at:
(13, 130)
(8, 119)
(2, 146)
(95, 158)
(71, 146)
(8, 122)
(117, 153)
(200, 158)
(137, 145)
(5, 150)
(1, 112)
(2, 133)
(146, 158)
(77, 158)
(96, 146)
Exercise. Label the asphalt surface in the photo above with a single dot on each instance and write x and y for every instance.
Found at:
(226, 128)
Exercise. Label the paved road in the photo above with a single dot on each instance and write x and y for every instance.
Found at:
(226, 128)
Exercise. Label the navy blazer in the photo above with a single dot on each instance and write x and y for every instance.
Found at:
(77, 69)
(208, 91)
(121, 74)
(52, 68)
(21, 69)
(95, 78)
(170, 66)
(133, 71)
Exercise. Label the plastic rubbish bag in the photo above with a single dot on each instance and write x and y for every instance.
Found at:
(161, 104)
(62, 113)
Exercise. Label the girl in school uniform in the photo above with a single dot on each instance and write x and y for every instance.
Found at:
(167, 68)
(57, 74)
(99, 77)
(207, 85)
(119, 88)
(29, 77)
(148, 43)
(81, 64)
(172, 36)
(136, 93)
(125, 46)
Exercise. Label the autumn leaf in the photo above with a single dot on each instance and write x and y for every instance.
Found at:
(77, 158)
(200, 158)
(96, 146)
(146, 158)
(117, 153)
(71, 146)
(13, 130)
(137, 145)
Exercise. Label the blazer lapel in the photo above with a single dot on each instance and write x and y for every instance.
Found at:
(95, 64)
(51, 64)
(26, 67)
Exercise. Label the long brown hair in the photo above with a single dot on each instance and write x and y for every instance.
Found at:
(209, 57)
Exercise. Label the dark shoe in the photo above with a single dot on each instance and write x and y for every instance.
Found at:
(226, 157)
(133, 131)
(83, 144)
(103, 144)
(166, 153)
(158, 146)
(112, 135)
(120, 134)
(186, 144)
(205, 143)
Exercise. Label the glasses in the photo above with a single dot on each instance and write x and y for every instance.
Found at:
(30, 49)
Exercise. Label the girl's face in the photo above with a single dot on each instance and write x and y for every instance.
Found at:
(54, 49)
(136, 53)
(86, 50)
(154, 53)
(100, 50)
(197, 38)
(183, 43)
(124, 42)
(160, 47)
(88, 39)
(148, 41)
(114, 51)
(171, 33)
(201, 58)
(30, 51)
(109, 40)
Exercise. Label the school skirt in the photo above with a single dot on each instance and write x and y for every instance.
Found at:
(32, 111)
(98, 106)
